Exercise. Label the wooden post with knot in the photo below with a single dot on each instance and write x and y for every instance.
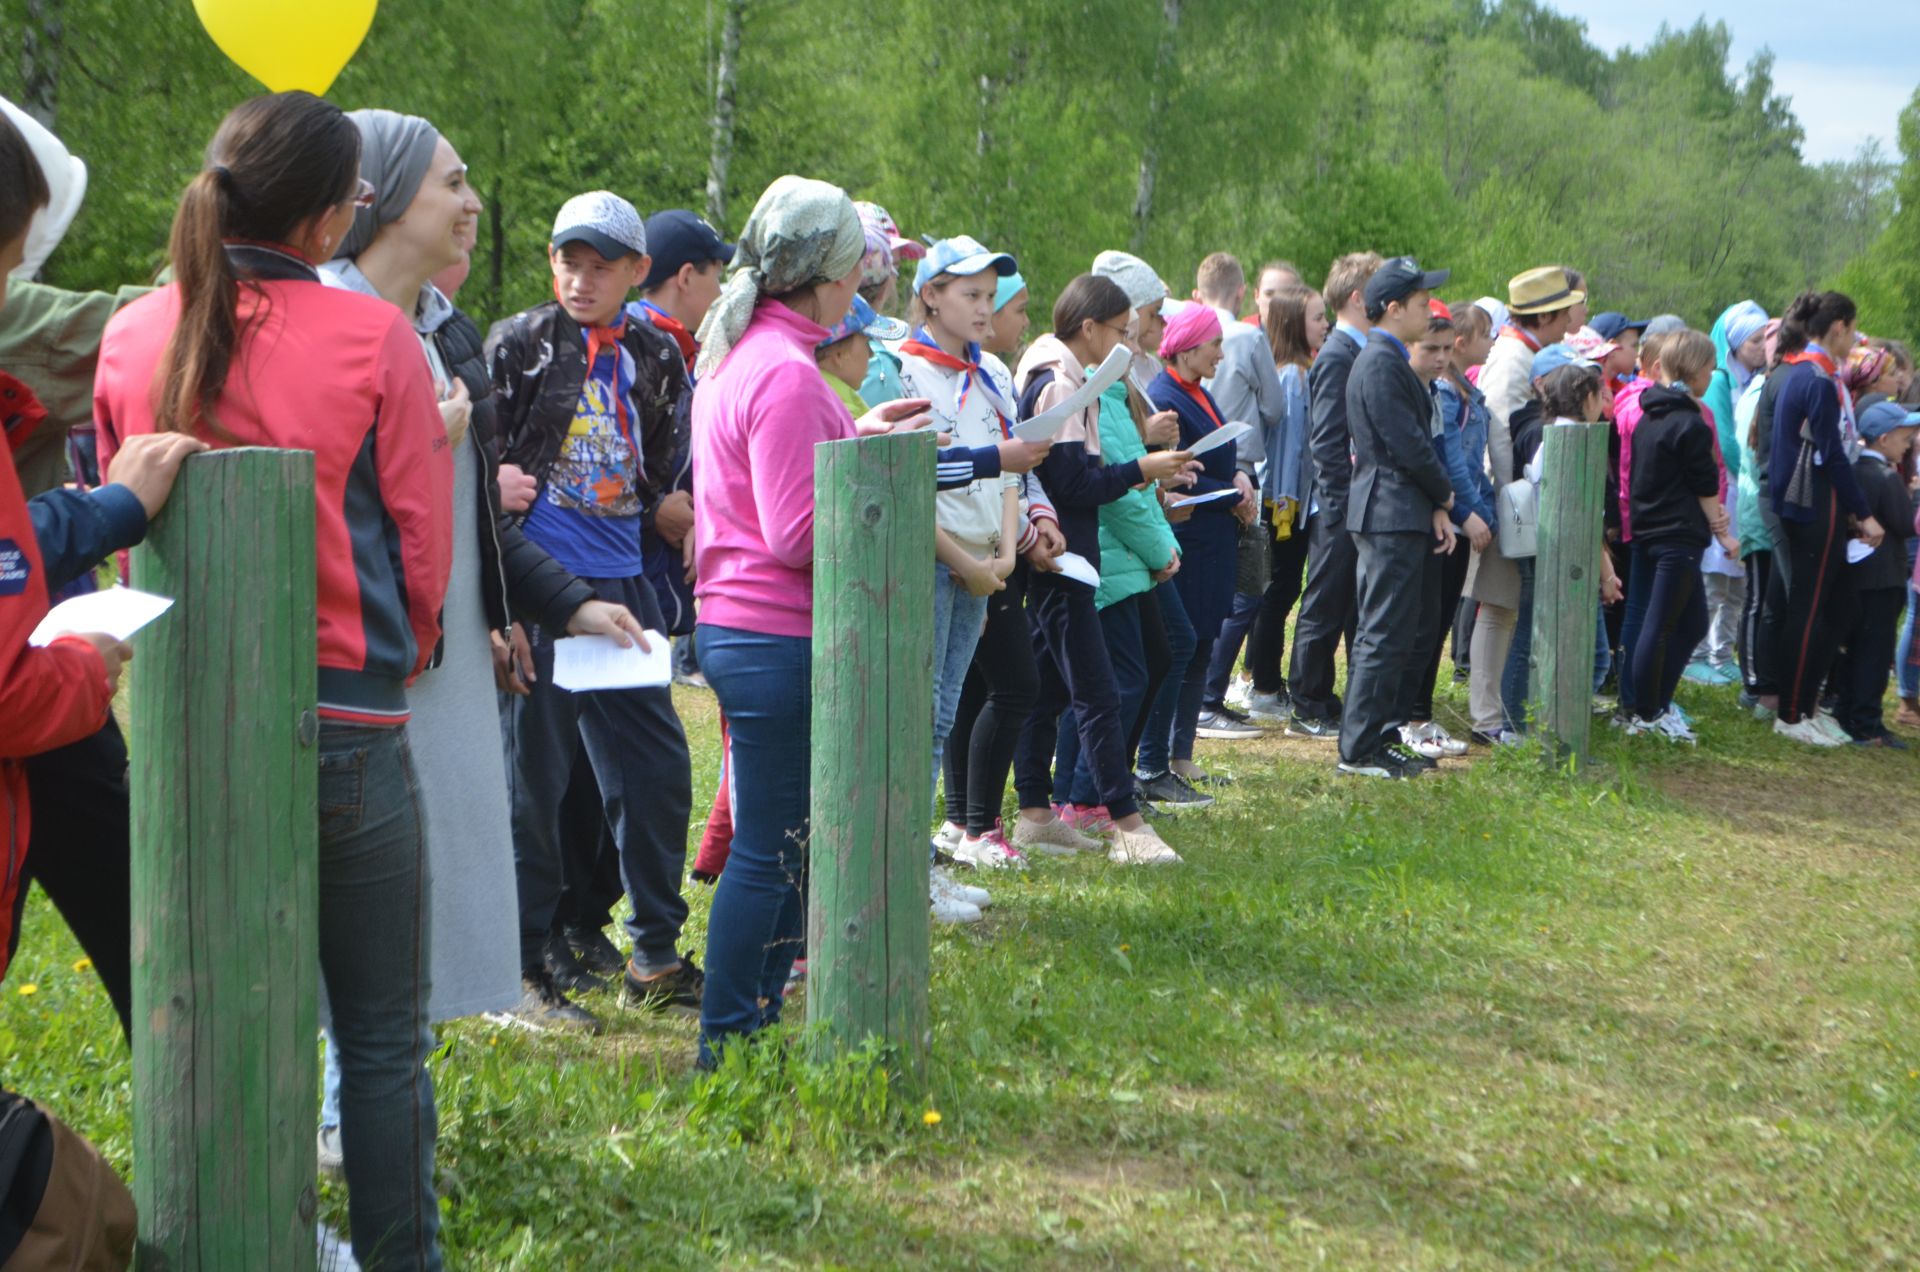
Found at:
(867, 939)
(1566, 586)
(225, 894)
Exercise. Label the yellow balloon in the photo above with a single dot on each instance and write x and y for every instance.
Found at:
(288, 44)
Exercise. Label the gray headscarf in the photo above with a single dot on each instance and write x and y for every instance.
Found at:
(801, 232)
(1664, 323)
(395, 152)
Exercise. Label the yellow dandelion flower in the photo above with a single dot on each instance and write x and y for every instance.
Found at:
(82, 964)
(27, 990)
(1125, 948)
(931, 1117)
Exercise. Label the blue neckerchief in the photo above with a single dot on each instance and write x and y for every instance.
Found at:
(1397, 343)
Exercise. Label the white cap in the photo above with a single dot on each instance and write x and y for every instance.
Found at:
(602, 220)
(66, 179)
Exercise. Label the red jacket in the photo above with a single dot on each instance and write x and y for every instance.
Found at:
(342, 375)
(48, 696)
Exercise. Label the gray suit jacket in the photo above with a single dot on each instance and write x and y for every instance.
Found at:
(1398, 479)
(1246, 386)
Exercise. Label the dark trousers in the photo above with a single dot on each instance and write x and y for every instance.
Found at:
(1772, 619)
(1166, 639)
(1819, 603)
(634, 741)
(1071, 654)
(1864, 667)
(589, 864)
(1466, 612)
(1398, 582)
(1121, 626)
(81, 854)
(1267, 647)
(1326, 612)
(1236, 629)
(1453, 580)
(999, 691)
(1759, 569)
(1672, 625)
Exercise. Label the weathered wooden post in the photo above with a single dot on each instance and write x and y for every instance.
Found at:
(1566, 585)
(225, 896)
(872, 742)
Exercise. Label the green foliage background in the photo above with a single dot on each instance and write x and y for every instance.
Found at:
(1483, 137)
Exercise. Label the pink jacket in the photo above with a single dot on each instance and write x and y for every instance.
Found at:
(756, 420)
(1626, 418)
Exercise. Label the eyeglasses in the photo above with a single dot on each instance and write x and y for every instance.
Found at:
(1125, 332)
(363, 193)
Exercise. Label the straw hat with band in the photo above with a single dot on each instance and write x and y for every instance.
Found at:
(1541, 291)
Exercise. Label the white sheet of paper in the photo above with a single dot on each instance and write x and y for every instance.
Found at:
(1077, 568)
(586, 663)
(118, 611)
(1042, 427)
(1231, 431)
(1857, 551)
(1231, 492)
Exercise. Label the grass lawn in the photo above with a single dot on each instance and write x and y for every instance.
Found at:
(1496, 1018)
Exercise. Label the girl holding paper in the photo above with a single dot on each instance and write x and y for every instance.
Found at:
(1209, 539)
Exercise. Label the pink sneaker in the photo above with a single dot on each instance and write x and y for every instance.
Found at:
(1088, 819)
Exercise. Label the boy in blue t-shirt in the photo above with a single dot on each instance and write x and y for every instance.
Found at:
(587, 400)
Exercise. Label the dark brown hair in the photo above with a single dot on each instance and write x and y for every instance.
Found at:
(275, 163)
(1088, 298)
(23, 186)
(1286, 325)
(1565, 390)
(1809, 317)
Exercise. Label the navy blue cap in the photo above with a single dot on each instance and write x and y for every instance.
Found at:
(1398, 279)
(679, 237)
(1609, 325)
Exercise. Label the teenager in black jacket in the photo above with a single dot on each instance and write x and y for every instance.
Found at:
(1879, 579)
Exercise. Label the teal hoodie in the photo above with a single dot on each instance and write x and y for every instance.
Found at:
(1135, 539)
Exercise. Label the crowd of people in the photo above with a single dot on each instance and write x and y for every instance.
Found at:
(631, 459)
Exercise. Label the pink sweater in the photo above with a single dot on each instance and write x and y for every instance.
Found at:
(756, 419)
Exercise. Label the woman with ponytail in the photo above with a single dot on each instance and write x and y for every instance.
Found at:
(1812, 489)
(246, 347)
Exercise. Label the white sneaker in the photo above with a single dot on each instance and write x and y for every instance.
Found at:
(948, 837)
(954, 910)
(331, 1159)
(1240, 694)
(1142, 847)
(1266, 708)
(1825, 722)
(989, 852)
(940, 883)
(1449, 745)
(1675, 729)
(1804, 730)
(1051, 838)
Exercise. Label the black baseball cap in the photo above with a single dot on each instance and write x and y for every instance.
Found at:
(1398, 279)
(679, 237)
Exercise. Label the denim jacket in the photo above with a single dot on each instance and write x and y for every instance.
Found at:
(1462, 444)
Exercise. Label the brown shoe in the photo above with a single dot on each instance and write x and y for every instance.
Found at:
(1908, 714)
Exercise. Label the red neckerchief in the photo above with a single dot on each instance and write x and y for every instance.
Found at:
(1818, 357)
(601, 340)
(1198, 394)
(920, 345)
(1526, 337)
(689, 347)
(20, 411)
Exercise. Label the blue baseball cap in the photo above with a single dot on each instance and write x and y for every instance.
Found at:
(863, 320)
(678, 237)
(1555, 356)
(963, 256)
(1609, 325)
(1883, 417)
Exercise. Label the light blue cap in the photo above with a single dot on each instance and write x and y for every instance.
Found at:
(862, 320)
(1555, 356)
(1009, 286)
(963, 256)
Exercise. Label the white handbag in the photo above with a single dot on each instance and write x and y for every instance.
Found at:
(1518, 507)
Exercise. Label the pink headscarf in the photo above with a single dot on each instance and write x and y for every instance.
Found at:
(1864, 367)
(1192, 327)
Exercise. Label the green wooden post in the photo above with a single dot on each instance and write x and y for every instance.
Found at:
(872, 742)
(1566, 585)
(225, 894)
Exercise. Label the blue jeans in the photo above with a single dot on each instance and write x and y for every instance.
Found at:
(1156, 740)
(1639, 595)
(1909, 674)
(1602, 653)
(1513, 679)
(958, 617)
(1226, 648)
(758, 920)
(373, 956)
(1072, 773)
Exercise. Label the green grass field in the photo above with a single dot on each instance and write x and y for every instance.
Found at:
(1665, 1015)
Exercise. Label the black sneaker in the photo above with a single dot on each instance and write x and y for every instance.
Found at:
(1324, 730)
(596, 953)
(1461, 675)
(677, 991)
(569, 974)
(1166, 790)
(1410, 757)
(1225, 725)
(1382, 764)
(1230, 713)
(543, 1006)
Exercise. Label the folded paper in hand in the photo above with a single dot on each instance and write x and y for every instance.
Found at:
(1231, 431)
(1858, 550)
(586, 663)
(1042, 427)
(118, 612)
(1231, 492)
(1076, 567)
